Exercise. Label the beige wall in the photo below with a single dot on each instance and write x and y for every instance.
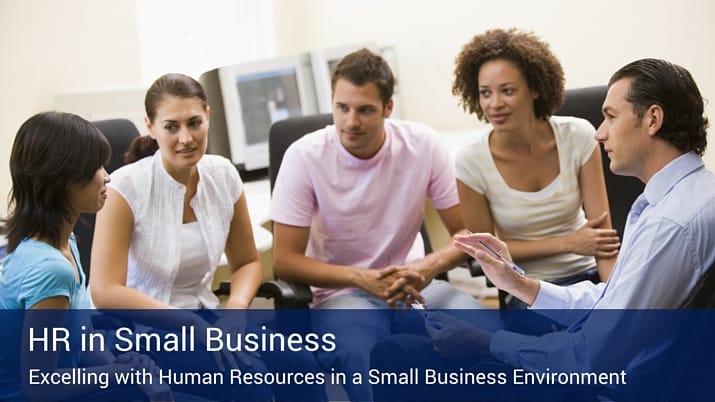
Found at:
(591, 38)
(50, 46)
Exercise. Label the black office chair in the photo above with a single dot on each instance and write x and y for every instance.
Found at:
(622, 190)
(120, 133)
(288, 295)
(281, 135)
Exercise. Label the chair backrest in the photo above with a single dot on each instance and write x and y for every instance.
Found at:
(622, 190)
(285, 132)
(120, 133)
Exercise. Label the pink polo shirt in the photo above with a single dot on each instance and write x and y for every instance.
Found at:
(363, 213)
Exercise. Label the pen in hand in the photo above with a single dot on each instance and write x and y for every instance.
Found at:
(519, 270)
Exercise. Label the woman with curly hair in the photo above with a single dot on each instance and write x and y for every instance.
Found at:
(533, 179)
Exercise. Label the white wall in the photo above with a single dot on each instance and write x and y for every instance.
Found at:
(50, 46)
(591, 38)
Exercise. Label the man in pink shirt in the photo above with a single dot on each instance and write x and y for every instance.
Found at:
(347, 208)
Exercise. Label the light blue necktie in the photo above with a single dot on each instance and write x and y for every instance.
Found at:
(637, 208)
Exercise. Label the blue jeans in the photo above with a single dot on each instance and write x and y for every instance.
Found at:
(360, 331)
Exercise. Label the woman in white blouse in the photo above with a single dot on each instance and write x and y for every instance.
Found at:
(170, 214)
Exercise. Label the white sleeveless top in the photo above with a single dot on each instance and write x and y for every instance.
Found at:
(157, 201)
(555, 210)
(195, 273)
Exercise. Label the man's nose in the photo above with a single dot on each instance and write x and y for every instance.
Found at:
(353, 119)
(601, 132)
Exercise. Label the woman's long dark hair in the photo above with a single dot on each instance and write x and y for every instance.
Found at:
(51, 152)
(172, 84)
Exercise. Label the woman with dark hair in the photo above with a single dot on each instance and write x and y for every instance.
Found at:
(170, 214)
(533, 179)
(57, 174)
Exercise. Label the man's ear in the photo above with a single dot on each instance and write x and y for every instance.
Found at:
(654, 119)
(388, 108)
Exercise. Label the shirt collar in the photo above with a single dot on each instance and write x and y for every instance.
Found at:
(167, 177)
(373, 160)
(666, 178)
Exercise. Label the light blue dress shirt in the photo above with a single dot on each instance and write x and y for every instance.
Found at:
(663, 254)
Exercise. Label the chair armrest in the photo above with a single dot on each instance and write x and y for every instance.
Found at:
(285, 294)
(476, 270)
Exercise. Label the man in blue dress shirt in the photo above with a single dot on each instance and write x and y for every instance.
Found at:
(654, 128)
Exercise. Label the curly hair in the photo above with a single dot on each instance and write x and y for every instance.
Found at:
(670, 86)
(540, 68)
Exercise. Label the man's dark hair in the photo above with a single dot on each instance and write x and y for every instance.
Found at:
(363, 66)
(670, 86)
